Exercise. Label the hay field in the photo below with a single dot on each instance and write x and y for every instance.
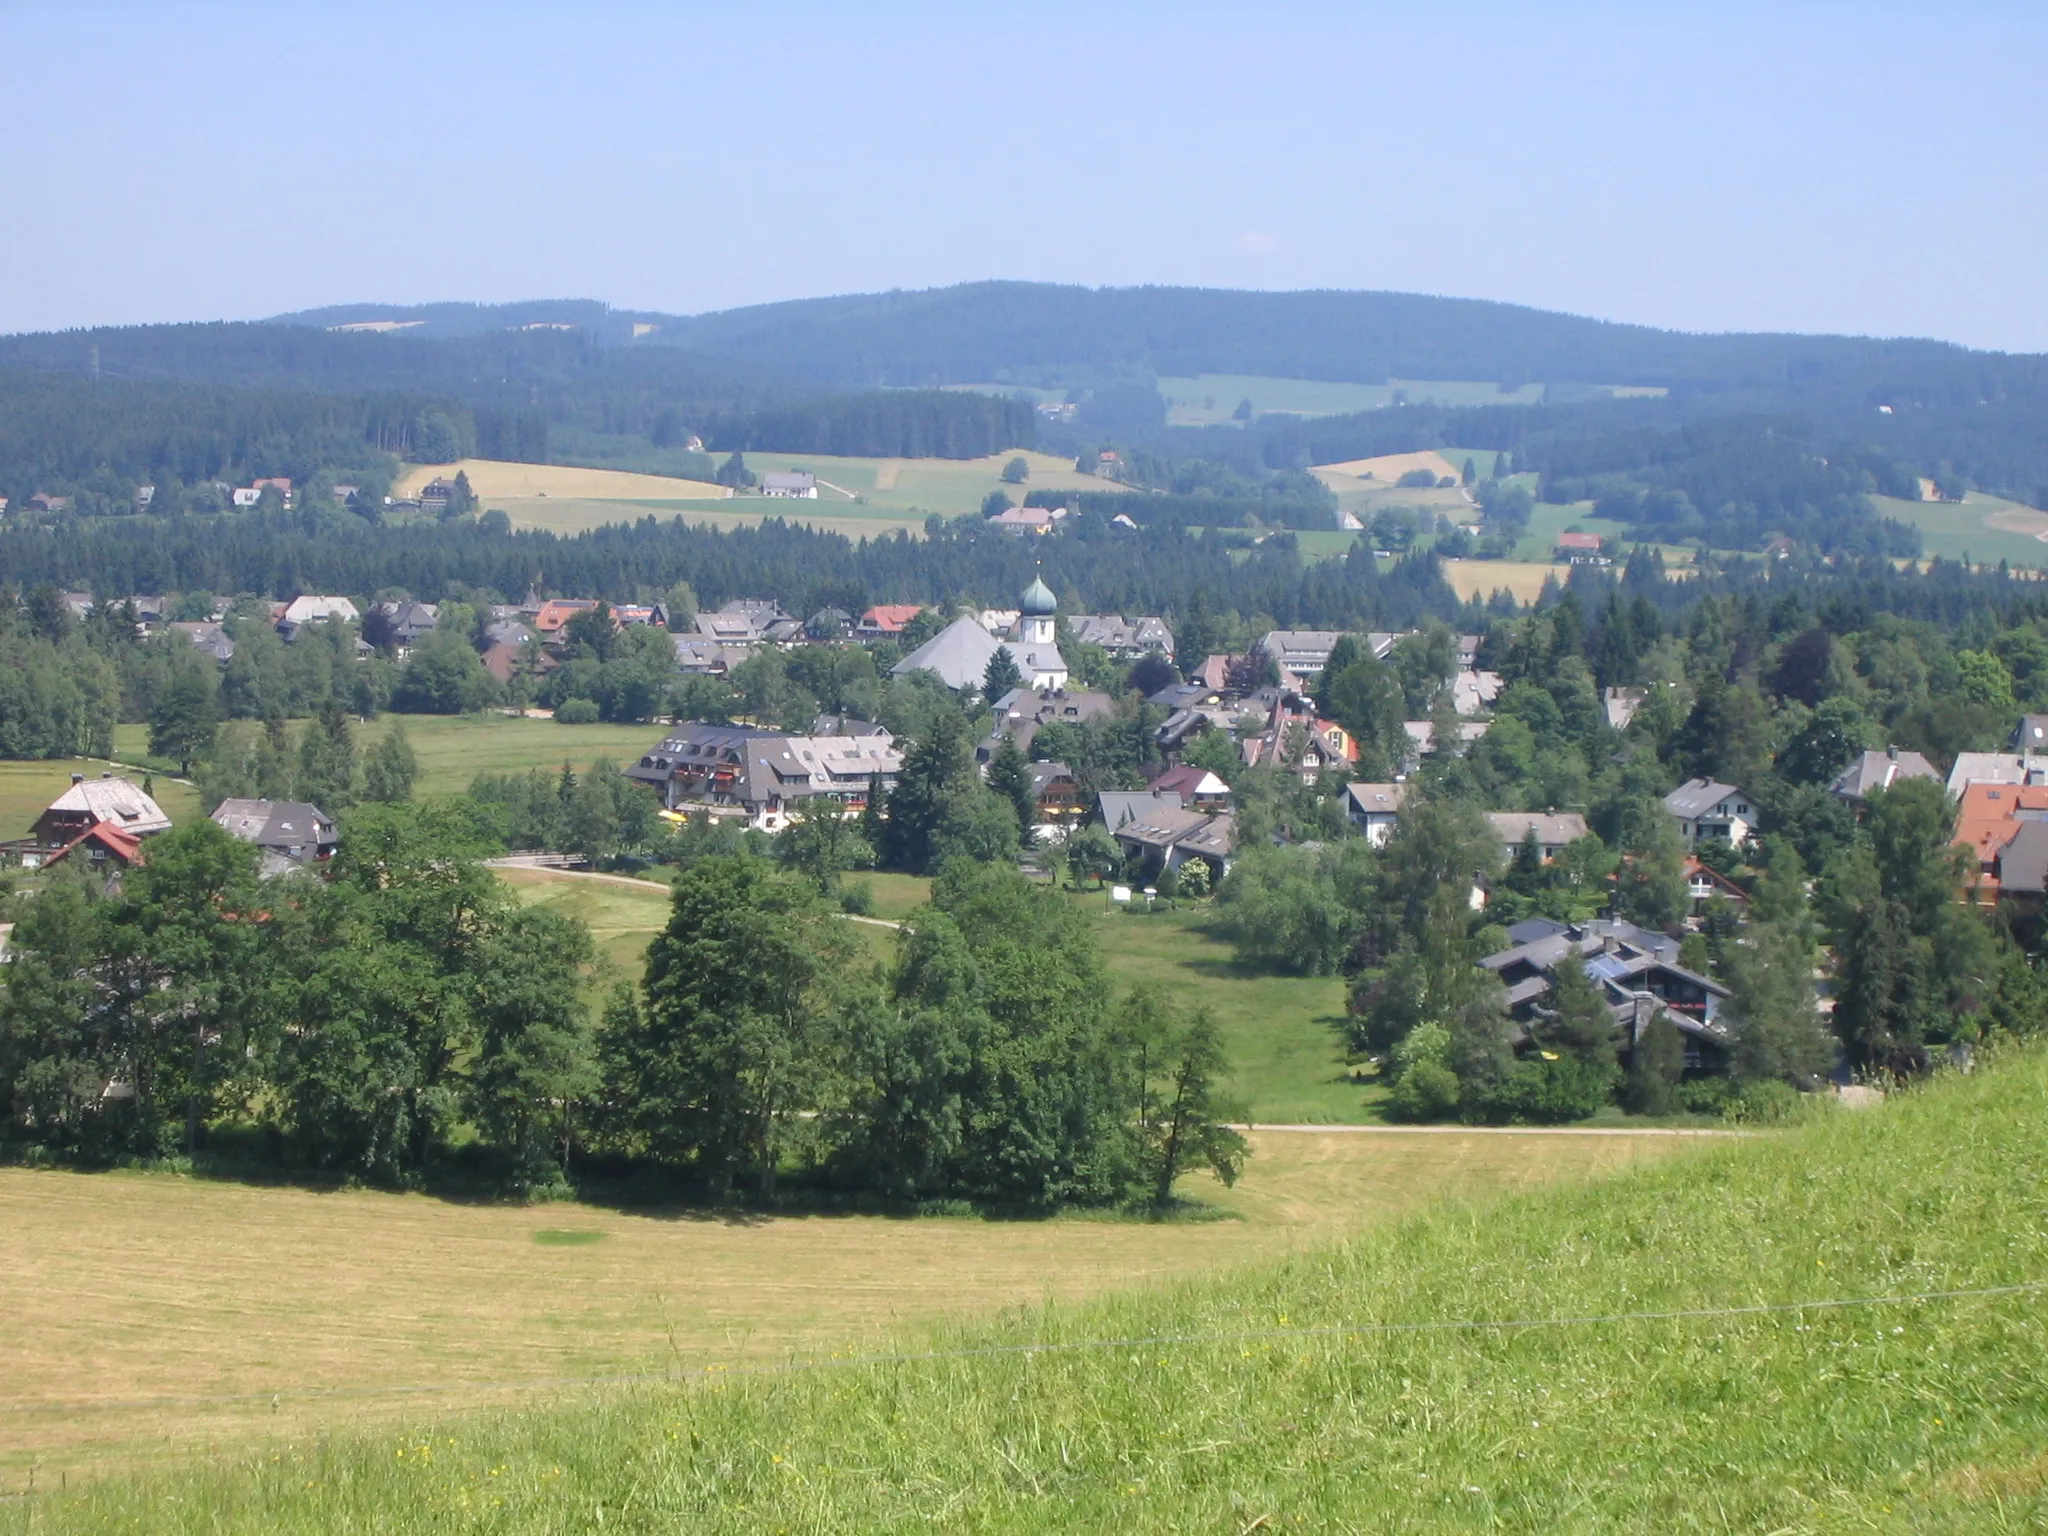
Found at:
(150, 1315)
(495, 481)
(1482, 578)
(1387, 468)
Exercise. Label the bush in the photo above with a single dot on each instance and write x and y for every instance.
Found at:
(1765, 1103)
(858, 898)
(1706, 1096)
(1549, 1092)
(576, 712)
(1427, 1091)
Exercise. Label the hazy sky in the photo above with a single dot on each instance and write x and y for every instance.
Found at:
(1870, 167)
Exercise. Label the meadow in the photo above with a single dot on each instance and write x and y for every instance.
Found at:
(1981, 528)
(1210, 399)
(495, 480)
(1835, 1328)
(453, 749)
(151, 1316)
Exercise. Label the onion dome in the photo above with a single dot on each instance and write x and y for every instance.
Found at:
(1038, 599)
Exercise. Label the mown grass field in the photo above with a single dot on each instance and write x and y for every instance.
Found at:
(860, 497)
(150, 1316)
(1638, 1354)
(1980, 528)
(454, 749)
(27, 788)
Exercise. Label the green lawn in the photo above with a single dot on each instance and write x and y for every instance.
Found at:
(1840, 1328)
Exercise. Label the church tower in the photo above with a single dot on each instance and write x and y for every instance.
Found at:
(1037, 610)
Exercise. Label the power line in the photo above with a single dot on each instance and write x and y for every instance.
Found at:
(1043, 1347)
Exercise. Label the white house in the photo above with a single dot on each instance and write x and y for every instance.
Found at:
(1705, 808)
(796, 485)
(1373, 808)
(1555, 831)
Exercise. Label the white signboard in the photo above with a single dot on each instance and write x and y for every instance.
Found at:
(1120, 893)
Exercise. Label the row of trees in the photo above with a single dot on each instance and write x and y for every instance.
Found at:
(364, 1022)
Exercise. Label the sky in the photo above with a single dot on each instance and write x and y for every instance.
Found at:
(1873, 168)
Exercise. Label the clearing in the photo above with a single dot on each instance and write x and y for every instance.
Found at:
(1981, 528)
(1838, 1328)
(149, 1313)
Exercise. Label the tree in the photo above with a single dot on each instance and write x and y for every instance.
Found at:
(1181, 1112)
(935, 766)
(1882, 1001)
(326, 774)
(1778, 1032)
(1001, 675)
(1652, 888)
(995, 503)
(1279, 907)
(1655, 1064)
(536, 1064)
(734, 473)
(730, 1048)
(391, 767)
(1009, 778)
(181, 724)
(1092, 854)
(820, 844)
(1017, 471)
(1579, 1022)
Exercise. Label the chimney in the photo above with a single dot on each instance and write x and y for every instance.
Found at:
(1892, 753)
(78, 778)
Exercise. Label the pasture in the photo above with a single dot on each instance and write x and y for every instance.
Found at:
(1211, 399)
(495, 481)
(151, 1315)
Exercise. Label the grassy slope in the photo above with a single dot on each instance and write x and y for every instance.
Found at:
(1959, 530)
(1908, 1416)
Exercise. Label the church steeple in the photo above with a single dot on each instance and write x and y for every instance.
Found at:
(1036, 614)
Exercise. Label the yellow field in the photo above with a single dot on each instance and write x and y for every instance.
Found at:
(149, 1314)
(1483, 578)
(495, 481)
(1388, 467)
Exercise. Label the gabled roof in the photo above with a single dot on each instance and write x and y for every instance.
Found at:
(1872, 771)
(1697, 797)
(1375, 799)
(1119, 808)
(1188, 781)
(1553, 828)
(958, 654)
(889, 618)
(117, 844)
(286, 824)
(2023, 862)
(115, 801)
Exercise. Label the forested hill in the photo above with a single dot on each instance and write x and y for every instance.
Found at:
(1053, 334)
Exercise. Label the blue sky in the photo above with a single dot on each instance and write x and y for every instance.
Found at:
(1871, 168)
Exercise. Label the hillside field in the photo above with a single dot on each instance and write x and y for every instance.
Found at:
(1210, 399)
(1836, 1329)
(496, 481)
(150, 1315)
(1980, 528)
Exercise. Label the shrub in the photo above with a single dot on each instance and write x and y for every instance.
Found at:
(857, 898)
(1764, 1103)
(1427, 1091)
(1549, 1092)
(576, 712)
(1706, 1095)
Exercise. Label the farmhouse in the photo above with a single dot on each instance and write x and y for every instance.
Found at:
(1705, 808)
(293, 616)
(1573, 545)
(1023, 520)
(790, 485)
(761, 777)
(291, 833)
(886, 619)
(552, 615)
(88, 802)
(405, 624)
(750, 621)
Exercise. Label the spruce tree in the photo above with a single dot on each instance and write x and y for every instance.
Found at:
(1009, 776)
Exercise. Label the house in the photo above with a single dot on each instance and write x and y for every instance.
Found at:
(1056, 795)
(2030, 735)
(761, 777)
(828, 625)
(1303, 652)
(1119, 808)
(1028, 520)
(1573, 545)
(886, 619)
(790, 485)
(404, 624)
(640, 615)
(959, 654)
(1554, 830)
(507, 659)
(750, 621)
(1703, 883)
(1872, 771)
(1988, 819)
(999, 621)
(87, 802)
(290, 833)
(1214, 672)
(436, 495)
(1422, 738)
(42, 501)
(245, 496)
(206, 636)
(1374, 808)
(1322, 744)
(1994, 768)
(709, 658)
(1474, 691)
(556, 612)
(109, 849)
(345, 494)
(80, 604)
(1705, 808)
(1187, 696)
(308, 609)
(1166, 838)
(1638, 977)
(1621, 705)
(144, 495)
(1126, 639)
(2021, 872)
(1197, 787)
(1022, 711)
